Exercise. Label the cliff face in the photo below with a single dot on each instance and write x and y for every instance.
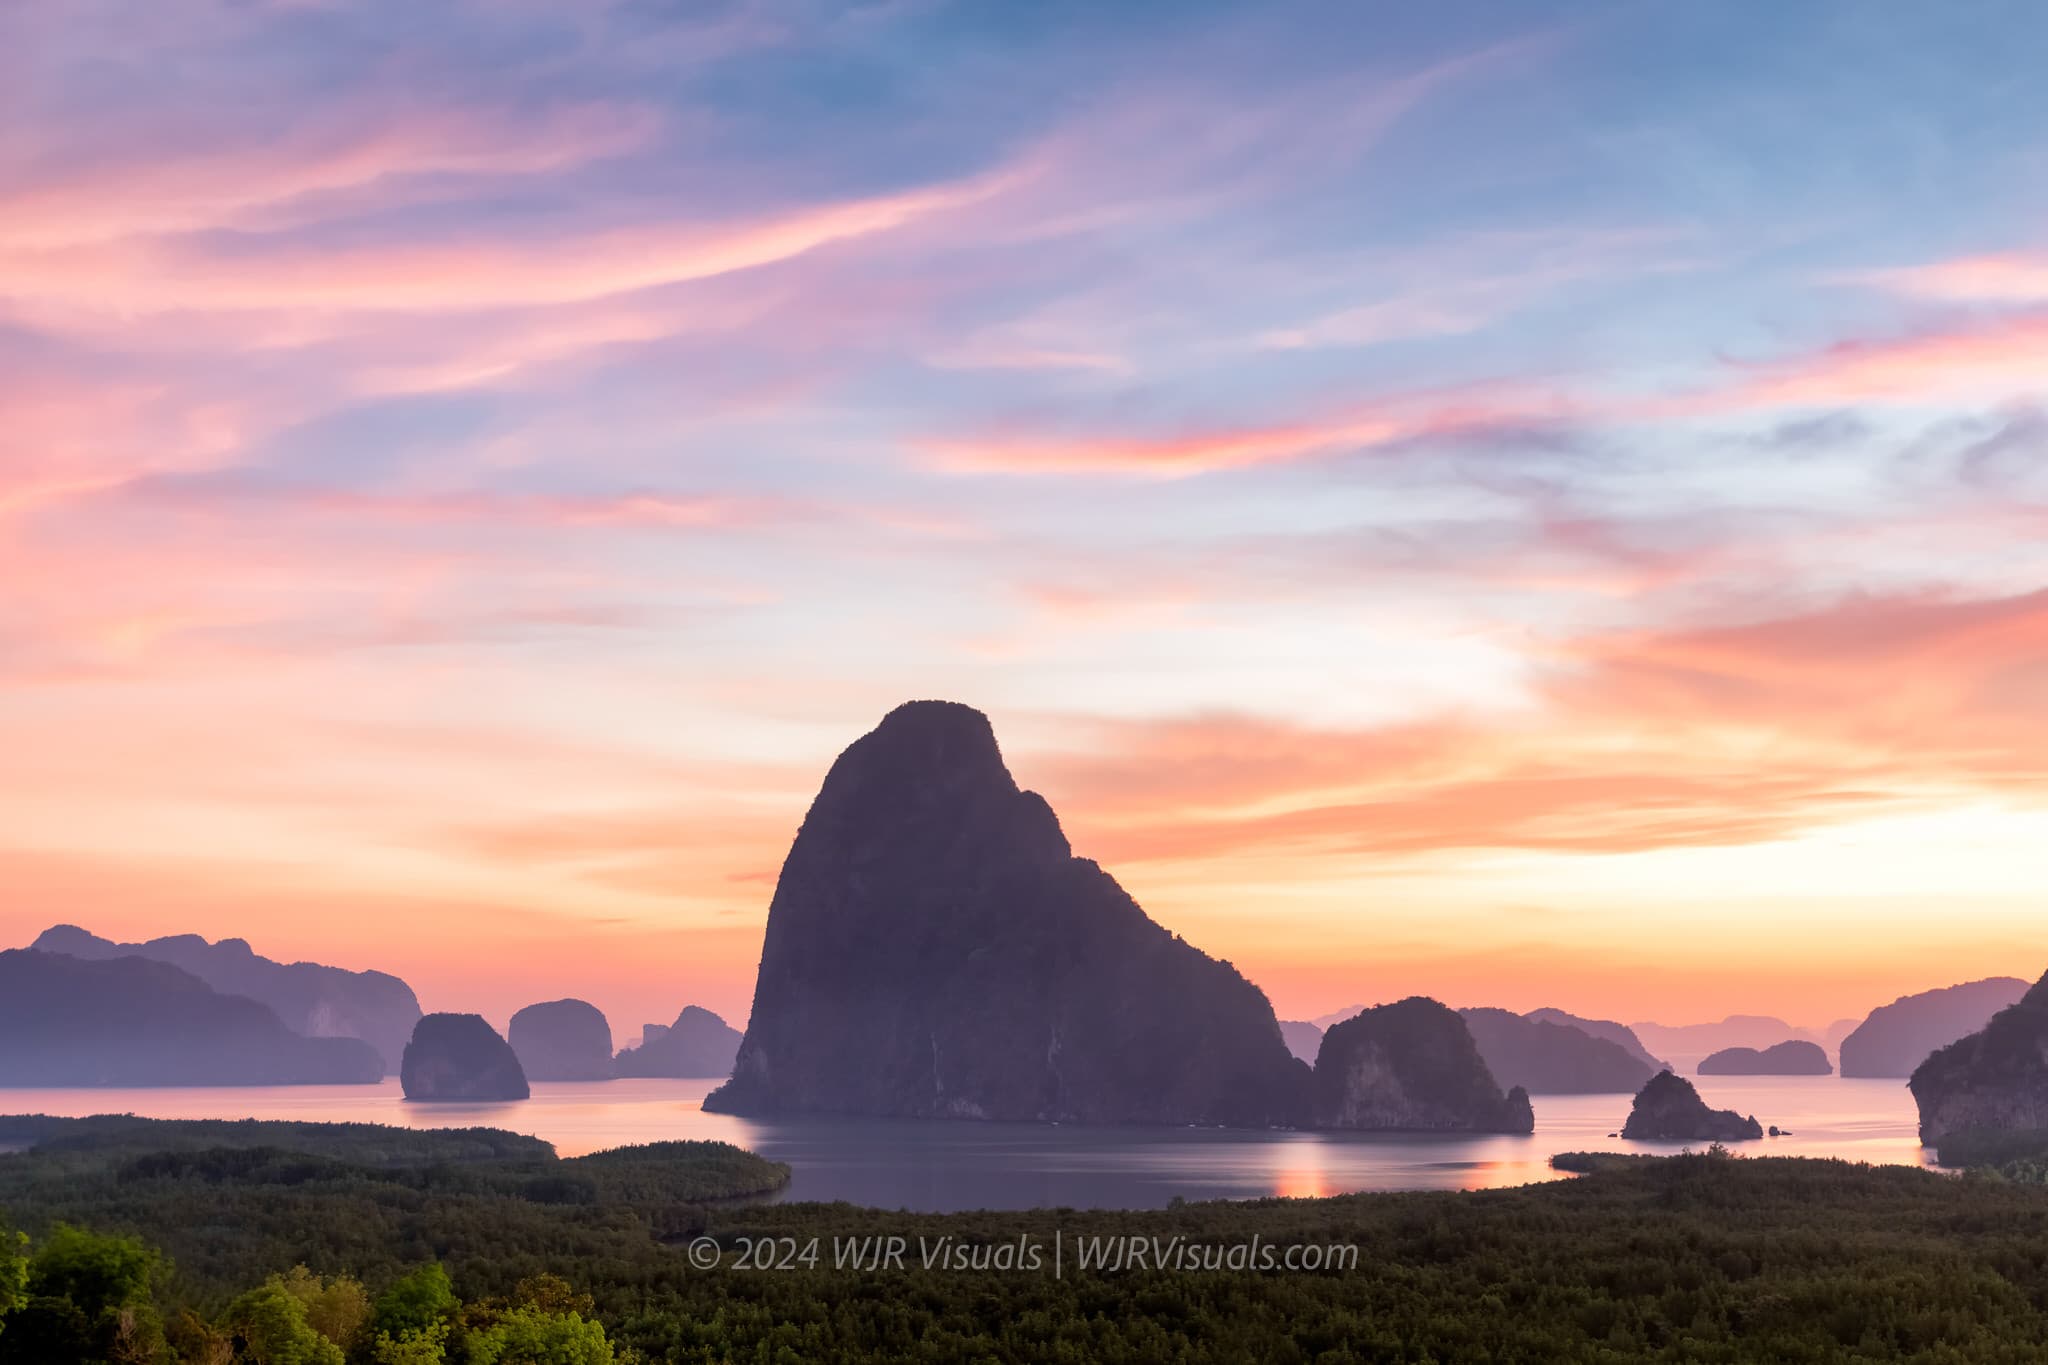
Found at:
(1994, 1079)
(1794, 1057)
(129, 1021)
(1896, 1038)
(1412, 1065)
(318, 1001)
(934, 948)
(698, 1043)
(460, 1057)
(562, 1040)
(1668, 1109)
(1547, 1058)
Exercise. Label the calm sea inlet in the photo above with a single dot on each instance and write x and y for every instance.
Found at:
(946, 1165)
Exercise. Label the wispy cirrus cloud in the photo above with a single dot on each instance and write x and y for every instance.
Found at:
(490, 272)
(78, 197)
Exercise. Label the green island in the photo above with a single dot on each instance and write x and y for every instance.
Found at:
(339, 1244)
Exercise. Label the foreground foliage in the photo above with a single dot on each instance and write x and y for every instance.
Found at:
(1699, 1258)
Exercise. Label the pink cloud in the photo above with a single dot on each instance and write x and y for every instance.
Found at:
(1201, 450)
(152, 188)
(162, 276)
(2009, 278)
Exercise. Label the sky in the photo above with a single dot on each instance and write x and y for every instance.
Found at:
(1534, 504)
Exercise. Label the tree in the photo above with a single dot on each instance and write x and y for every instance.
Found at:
(271, 1322)
(96, 1291)
(338, 1309)
(534, 1336)
(421, 1346)
(416, 1303)
(13, 1271)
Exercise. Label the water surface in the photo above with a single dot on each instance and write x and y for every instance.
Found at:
(946, 1165)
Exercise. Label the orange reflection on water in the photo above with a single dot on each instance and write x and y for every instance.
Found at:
(1301, 1174)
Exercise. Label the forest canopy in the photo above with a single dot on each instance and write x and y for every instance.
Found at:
(249, 1242)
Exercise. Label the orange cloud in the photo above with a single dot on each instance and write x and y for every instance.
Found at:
(1640, 740)
(1984, 359)
(1232, 447)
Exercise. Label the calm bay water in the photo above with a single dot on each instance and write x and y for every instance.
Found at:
(940, 1166)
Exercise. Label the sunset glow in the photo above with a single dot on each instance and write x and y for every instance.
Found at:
(1553, 520)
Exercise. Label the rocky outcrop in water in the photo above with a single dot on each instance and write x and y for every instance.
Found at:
(935, 949)
(1412, 1065)
(698, 1043)
(131, 1021)
(1794, 1057)
(1896, 1038)
(1669, 1109)
(1994, 1080)
(460, 1057)
(562, 1040)
(1547, 1058)
(318, 1001)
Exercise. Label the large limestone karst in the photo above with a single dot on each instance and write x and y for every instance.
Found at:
(1549, 1058)
(460, 1057)
(131, 1021)
(316, 1000)
(562, 1040)
(1412, 1065)
(1669, 1109)
(935, 949)
(1897, 1037)
(698, 1043)
(1995, 1079)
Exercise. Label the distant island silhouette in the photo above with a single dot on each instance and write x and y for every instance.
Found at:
(133, 1021)
(562, 1040)
(460, 1057)
(312, 999)
(698, 1043)
(1793, 1057)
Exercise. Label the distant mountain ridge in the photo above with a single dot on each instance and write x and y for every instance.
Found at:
(134, 1021)
(315, 1000)
(1545, 1057)
(1686, 1045)
(1896, 1038)
(1994, 1080)
(1621, 1035)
